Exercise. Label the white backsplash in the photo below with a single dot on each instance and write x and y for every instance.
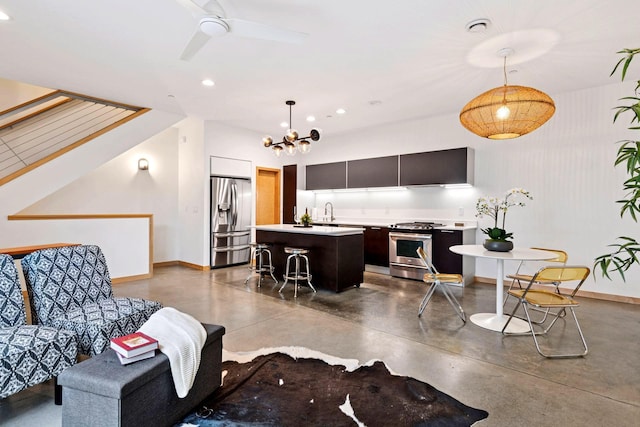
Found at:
(391, 206)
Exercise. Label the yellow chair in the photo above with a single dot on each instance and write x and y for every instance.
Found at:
(570, 278)
(518, 278)
(442, 281)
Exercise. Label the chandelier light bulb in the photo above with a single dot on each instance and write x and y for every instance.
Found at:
(503, 113)
(290, 149)
(267, 141)
(304, 146)
(292, 135)
(277, 150)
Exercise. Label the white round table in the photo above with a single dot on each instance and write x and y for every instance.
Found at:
(496, 321)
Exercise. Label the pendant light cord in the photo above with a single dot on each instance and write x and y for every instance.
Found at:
(504, 70)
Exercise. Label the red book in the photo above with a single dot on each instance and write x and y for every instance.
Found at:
(134, 344)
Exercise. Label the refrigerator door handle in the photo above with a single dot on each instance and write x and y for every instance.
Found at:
(232, 234)
(234, 202)
(231, 248)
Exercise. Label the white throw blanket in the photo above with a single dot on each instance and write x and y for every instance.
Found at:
(181, 337)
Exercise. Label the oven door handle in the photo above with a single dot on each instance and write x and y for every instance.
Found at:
(397, 235)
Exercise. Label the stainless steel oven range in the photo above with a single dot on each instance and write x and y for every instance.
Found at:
(404, 239)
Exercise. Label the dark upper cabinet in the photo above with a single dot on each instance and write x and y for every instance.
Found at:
(378, 172)
(326, 176)
(453, 166)
(437, 167)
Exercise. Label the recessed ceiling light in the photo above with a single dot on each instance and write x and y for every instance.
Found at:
(341, 111)
(311, 119)
(4, 16)
(284, 125)
(208, 82)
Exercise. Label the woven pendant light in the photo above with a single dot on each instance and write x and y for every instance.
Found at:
(507, 111)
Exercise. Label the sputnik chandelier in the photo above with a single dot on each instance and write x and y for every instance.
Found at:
(507, 111)
(288, 143)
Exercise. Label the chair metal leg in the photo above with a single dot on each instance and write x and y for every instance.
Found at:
(454, 302)
(426, 299)
(308, 274)
(271, 267)
(251, 258)
(295, 289)
(535, 334)
(286, 273)
(511, 316)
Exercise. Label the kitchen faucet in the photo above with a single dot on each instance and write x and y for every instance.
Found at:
(332, 218)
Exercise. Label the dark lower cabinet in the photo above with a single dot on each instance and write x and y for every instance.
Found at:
(336, 262)
(376, 246)
(444, 260)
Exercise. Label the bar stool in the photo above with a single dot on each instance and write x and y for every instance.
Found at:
(296, 274)
(260, 267)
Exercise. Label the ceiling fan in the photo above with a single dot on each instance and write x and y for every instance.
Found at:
(214, 22)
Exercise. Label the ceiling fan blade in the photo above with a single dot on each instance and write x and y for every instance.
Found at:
(192, 7)
(198, 40)
(213, 7)
(256, 30)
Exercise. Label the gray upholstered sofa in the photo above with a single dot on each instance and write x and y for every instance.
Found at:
(100, 392)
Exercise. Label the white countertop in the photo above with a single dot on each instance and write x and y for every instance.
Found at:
(466, 226)
(314, 229)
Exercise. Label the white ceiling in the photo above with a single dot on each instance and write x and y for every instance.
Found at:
(411, 55)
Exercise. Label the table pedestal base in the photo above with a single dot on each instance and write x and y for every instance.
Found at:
(496, 323)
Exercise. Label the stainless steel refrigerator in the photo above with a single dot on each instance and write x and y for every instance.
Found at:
(230, 221)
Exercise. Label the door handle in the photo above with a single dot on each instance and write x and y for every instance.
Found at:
(234, 201)
(231, 248)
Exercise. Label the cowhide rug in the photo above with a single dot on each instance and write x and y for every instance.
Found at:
(295, 386)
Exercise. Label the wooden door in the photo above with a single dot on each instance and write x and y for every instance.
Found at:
(267, 196)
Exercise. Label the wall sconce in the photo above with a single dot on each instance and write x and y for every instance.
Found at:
(143, 164)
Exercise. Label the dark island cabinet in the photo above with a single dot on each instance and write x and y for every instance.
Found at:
(444, 260)
(370, 173)
(326, 176)
(376, 246)
(453, 166)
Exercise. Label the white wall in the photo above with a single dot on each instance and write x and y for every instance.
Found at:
(119, 187)
(16, 93)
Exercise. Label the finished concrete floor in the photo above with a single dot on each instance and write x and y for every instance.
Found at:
(502, 375)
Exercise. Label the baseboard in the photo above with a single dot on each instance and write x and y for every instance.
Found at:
(124, 279)
(584, 294)
(182, 264)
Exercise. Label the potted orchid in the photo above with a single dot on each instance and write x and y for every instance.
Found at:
(492, 207)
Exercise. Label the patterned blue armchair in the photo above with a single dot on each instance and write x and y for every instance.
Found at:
(70, 288)
(29, 354)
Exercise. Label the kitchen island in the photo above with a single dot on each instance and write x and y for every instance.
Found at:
(336, 254)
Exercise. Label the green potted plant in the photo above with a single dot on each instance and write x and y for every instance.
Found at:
(628, 248)
(498, 240)
(305, 219)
